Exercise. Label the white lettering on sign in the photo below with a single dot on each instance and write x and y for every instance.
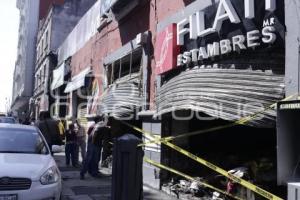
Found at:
(269, 36)
(238, 42)
(269, 22)
(270, 5)
(249, 9)
(179, 60)
(181, 31)
(195, 24)
(290, 106)
(225, 11)
(252, 38)
(226, 46)
(213, 49)
(186, 58)
(194, 55)
(202, 53)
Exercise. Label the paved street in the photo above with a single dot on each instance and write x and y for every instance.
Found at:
(91, 188)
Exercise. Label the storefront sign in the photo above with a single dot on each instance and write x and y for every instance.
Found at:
(235, 44)
(225, 11)
(166, 49)
(288, 128)
(222, 29)
(290, 106)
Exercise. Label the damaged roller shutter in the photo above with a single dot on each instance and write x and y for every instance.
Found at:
(227, 94)
(123, 98)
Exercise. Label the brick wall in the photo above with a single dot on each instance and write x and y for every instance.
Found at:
(116, 34)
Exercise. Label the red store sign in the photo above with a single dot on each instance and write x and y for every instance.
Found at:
(166, 49)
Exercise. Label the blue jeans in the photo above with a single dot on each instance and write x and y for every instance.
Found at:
(70, 151)
(91, 161)
(95, 160)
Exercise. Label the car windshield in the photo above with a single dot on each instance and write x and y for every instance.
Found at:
(21, 141)
(7, 120)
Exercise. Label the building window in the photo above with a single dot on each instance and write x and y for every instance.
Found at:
(42, 47)
(40, 52)
(37, 53)
(44, 72)
(125, 66)
(40, 78)
(46, 40)
(35, 82)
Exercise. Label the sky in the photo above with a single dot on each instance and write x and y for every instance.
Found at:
(9, 25)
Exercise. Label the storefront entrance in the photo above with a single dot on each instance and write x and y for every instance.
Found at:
(230, 148)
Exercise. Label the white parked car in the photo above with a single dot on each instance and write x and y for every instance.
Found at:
(8, 120)
(27, 168)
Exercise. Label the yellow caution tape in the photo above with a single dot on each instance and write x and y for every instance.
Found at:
(215, 168)
(236, 179)
(189, 178)
(241, 121)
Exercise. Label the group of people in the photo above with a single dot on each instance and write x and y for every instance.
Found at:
(75, 139)
(94, 144)
(98, 139)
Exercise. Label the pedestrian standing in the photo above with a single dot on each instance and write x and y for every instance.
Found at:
(81, 140)
(106, 145)
(61, 127)
(49, 128)
(92, 153)
(99, 135)
(70, 148)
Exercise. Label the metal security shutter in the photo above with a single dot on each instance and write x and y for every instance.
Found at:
(123, 98)
(82, 112)
(221, 93)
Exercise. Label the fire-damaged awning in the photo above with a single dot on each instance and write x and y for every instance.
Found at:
(227, 94)
(123, 98)
(78, 81)
(58, 77)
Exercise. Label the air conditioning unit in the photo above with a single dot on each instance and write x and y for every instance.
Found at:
(293, 191)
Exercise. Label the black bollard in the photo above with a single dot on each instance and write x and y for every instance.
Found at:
(127, 175)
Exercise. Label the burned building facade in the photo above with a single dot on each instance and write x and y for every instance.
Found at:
(187, 66)
(59, 18)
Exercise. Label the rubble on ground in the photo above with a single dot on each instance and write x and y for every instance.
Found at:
(191, 190)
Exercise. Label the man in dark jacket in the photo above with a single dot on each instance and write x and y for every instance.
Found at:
(100, 139)
(70, 148)
(92, 152)
(49, 128)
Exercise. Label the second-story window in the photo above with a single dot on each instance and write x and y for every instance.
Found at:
(125, 66)
(35, 82)
(40, 51)
(46, 39)
(37, 53)
(44, 73)
(41, 78)
(42, 47)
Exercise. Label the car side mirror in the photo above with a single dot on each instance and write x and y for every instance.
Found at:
(57, 149)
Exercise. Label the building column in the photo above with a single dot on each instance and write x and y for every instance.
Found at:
(292, 58)
(151, 174)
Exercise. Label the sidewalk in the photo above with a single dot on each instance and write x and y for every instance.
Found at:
(93, 188)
